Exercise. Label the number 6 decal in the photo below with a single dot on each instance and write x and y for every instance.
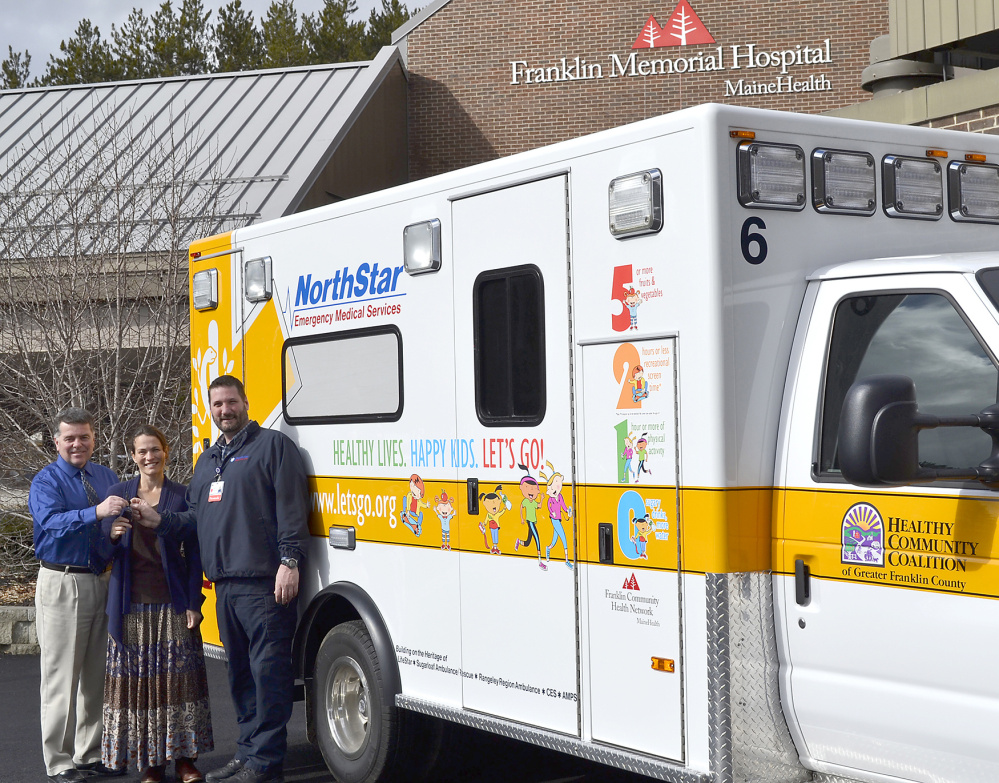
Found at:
(750, 238)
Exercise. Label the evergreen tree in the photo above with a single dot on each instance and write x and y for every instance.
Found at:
(132, 46)
(179, 44)
(284, 45)
(193, 51)
(239, 46)
(381, 25)
(86, 59)
(331, 36)
(16, 70)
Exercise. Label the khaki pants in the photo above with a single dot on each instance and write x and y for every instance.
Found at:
(72, 632)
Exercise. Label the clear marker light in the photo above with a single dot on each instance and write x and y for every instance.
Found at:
(771, 176)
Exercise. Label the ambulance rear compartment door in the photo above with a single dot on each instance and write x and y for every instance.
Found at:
(630, 524)
(512, 351)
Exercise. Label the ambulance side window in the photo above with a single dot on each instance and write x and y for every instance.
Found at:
(921, 335)
(343, 377)
(509, 324)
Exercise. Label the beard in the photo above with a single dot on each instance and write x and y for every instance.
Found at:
(232, 424)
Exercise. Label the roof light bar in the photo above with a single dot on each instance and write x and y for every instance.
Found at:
(771, 176)
(635, 204)
(843, 182)
(973, 190)
(913, 187)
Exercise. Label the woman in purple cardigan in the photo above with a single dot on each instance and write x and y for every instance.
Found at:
(156, 690)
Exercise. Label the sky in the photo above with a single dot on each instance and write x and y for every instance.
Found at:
(39, 25)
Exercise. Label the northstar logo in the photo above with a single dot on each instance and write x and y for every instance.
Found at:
(684, 28)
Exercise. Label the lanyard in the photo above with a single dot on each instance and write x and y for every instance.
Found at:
(223, 455)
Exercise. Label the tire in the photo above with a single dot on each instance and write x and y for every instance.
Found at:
(357, 723)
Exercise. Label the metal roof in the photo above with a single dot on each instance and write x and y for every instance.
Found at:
(266, 134)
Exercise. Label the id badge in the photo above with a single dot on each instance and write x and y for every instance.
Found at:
(215, 491)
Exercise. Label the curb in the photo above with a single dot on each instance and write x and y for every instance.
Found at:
(17, 631)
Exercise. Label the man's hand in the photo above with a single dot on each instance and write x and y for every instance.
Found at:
(193, 619)
(145, 514)
(285, 585)
(111, 507)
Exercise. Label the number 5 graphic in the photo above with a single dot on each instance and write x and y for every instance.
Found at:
(623, 277)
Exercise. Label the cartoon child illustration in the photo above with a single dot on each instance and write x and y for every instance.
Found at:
(639, 386)
(444, 508)
(642, 533)
(627, 454)
(529, 514)
(641, 452)
(632, 299)
(411, 515)
(556, 507)
(496, 504)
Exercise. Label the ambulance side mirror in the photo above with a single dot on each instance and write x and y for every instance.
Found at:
(879, 436)
(878, 433)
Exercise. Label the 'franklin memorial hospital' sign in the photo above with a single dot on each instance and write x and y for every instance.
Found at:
(684, 28)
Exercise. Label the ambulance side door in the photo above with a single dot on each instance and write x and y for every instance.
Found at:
(513, 370)
(886, 598)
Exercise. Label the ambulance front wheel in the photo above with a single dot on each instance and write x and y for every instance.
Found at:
(358, 733)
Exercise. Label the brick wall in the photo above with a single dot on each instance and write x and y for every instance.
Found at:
(985, 120)
(463, 108)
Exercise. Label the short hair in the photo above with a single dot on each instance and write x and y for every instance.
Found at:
(148, 429)
(72, 416)
(227, 382)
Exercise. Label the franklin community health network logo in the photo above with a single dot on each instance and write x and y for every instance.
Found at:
(684, 28)
(766, 69)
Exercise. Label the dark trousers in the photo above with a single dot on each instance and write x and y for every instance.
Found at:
(257, 633)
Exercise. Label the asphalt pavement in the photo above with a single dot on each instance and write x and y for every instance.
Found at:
(477, 757)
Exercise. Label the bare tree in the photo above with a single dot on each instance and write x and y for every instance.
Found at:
(95, 221)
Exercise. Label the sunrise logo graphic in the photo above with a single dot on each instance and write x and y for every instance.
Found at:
(863, 535)
(684, 28)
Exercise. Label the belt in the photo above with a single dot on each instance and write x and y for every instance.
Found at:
(66, 569)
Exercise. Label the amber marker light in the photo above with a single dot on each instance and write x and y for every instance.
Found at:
(663, 664)
(736, 134)
(974, 157)
(936, 153)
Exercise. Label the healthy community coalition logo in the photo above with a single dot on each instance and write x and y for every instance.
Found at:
(684, 28)
(863, 535)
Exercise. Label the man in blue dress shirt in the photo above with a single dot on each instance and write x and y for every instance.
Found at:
(70, 597)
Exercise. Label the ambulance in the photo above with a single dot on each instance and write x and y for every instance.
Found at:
(673, 447)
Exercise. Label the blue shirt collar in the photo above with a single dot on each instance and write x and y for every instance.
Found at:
(70, 470)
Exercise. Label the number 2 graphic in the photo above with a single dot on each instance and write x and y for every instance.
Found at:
(626, 358)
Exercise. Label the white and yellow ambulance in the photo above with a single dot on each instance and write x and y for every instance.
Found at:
(668, 447)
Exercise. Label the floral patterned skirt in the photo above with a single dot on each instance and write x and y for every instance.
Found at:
(155, 691)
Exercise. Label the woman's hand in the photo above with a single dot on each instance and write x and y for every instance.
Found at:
(118, 527)
(193, 619)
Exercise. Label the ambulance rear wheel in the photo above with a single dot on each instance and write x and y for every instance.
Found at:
(357, 726)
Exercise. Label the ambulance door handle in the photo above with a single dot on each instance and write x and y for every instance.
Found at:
(802, 588)
(473, 496)
(605, 532)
